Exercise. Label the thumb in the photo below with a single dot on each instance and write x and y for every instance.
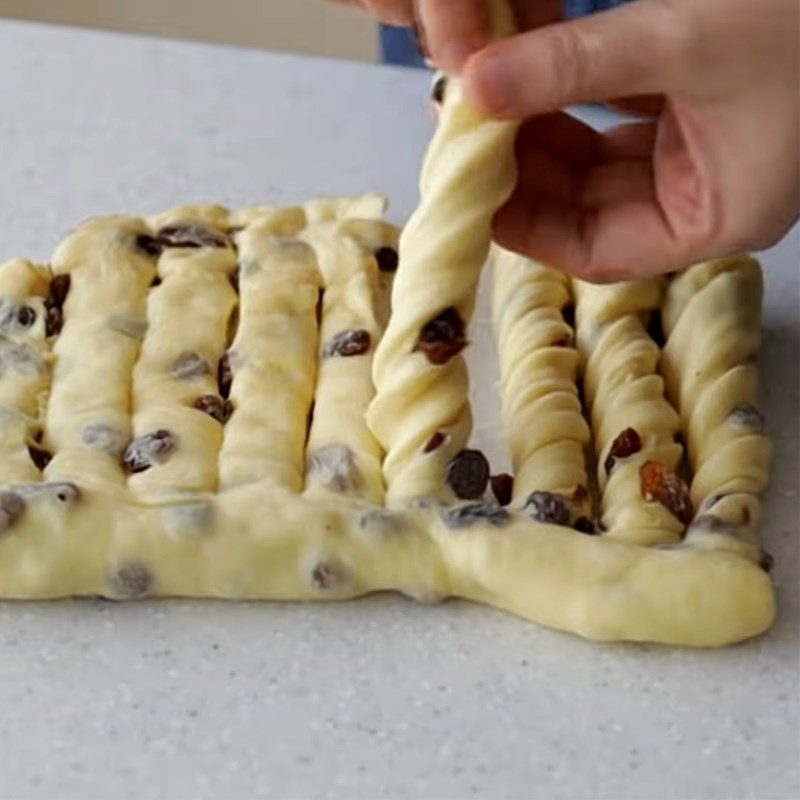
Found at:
(631, 50)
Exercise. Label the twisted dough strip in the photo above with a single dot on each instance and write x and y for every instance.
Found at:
(712, 316)
(544, 424)
(623, 390)
(468, 173)
(24, 366)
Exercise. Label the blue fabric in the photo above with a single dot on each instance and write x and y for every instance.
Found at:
(399, 47)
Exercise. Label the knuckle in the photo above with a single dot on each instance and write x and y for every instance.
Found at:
(569, 60)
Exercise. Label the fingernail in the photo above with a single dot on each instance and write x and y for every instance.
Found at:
(451, 56)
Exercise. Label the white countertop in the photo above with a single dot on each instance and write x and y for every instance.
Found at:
(379, 698)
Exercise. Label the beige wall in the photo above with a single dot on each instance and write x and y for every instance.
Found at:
(309, 26)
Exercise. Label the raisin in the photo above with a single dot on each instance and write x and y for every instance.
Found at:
(347, 343)
(156, 282)
(626, 444)
(468, 474)
(325, 575)
(747, 416)
(438, 88)
(149, 244)
(191, 235)
(225, 375)
(475, 513)
(40, 457)
(188, 366)
(144, 452)
(334, 466)
(216, 407)
(12, 507)
(387, 259)
(57, 292)
(766, 561)
(442, 338)
(568, 313)
(655, 328)
(547, 507)
(132, 580)
(662, 485)
(26, 316)
(434, 443)
(502, 487)
(585, 525)
(54, 321)
(104, 438)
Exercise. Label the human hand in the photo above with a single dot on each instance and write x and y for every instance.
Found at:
(710, 168)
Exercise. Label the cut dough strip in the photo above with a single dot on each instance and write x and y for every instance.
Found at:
(343, 455)
(109, 265)
(420, 377)
(273, 357)
(24, 368)
(632, 421)
(712, 317)
(544, 424)
(178, 413)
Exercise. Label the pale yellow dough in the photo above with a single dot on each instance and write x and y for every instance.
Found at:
(235, 409)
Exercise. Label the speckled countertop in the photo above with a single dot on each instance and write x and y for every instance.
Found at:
(380, 698)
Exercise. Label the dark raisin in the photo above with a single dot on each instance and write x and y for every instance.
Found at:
(475, 513)
(438, 89)
(54, 321)
(58, 290)
(144, 452)
(712, 524)
(26, 316)
(502, 487)
(156, 282)
(40, 457)
(547, 507)
(443, 337)
(662, 485)
(468, 474)
(434, 443)
(325, 575)
(12, 507)
(334, 466)
(747, 416)
(104, 438)
(568, 313)
(224, 375)
(216, 407)
(585, 525)
(766, 561)
(655, 328)
(387, 259)
(132, 580)
(347, 343)
(191, 235)
(189, 365)
(149, 244)
(626, 444)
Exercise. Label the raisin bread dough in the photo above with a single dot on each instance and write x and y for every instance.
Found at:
(183, 412)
